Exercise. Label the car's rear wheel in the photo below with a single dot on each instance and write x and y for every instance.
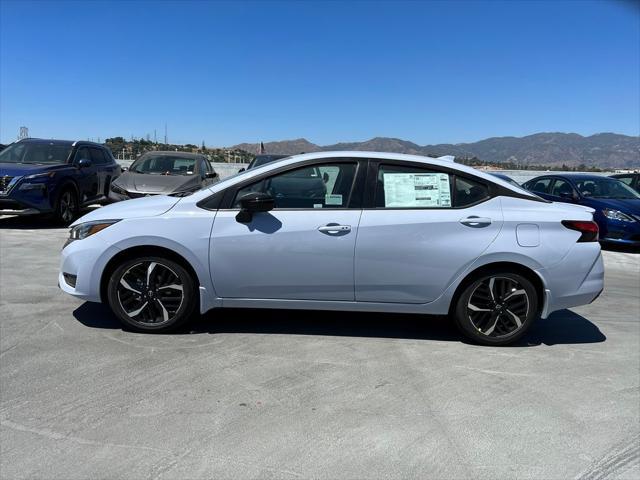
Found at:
(152, 294)
(496, 309)
(67, 206)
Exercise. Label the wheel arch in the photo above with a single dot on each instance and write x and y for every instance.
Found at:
(144, 250)
(492, 267)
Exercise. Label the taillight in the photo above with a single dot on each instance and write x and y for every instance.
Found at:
(589, 230)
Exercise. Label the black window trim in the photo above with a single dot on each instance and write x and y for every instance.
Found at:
(362, 195)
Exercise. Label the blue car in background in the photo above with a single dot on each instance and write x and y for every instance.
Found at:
(616, 205)
(54, 176)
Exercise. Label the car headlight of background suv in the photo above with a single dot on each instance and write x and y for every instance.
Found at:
(36, 181)
(617, 215)
(119, 190)
(84, 230)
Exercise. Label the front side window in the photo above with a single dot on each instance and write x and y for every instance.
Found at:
(97, 156)
(317, 186)
(605, 188)
(83, 154)
(410, 187)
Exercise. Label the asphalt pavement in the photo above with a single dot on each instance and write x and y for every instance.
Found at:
(286, 394)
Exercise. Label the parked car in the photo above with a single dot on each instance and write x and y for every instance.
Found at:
(616, 206)
(54, 176)
(163, 173)
(387, 233)
(631, 179)
(506, 178)
(260, 160)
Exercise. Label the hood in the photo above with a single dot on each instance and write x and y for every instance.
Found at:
(137, 208)
(21, 169)
(625, 206)
(147, 183)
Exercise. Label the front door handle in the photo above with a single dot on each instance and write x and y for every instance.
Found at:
(334, 228)
(476, 222)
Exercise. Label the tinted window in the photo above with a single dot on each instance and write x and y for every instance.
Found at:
(605, 188)
(627, 180)
(412, 187)
(317, 186)
(469, 192)
(83, 154)
(97, 156)
(539, 186)
(562, 188)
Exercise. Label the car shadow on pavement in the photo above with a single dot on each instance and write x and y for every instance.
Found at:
(620, 248)
(563, 327)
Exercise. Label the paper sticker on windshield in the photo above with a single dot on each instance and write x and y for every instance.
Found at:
(333, 199)
(416, 190)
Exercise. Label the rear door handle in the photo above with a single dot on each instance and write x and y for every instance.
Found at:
(334, 228)
(476, 222)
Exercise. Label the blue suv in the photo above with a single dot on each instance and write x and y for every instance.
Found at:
(54, 176)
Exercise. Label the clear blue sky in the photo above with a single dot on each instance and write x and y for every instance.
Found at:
(429, 72)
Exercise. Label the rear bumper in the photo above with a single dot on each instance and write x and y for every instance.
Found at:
(568, 284)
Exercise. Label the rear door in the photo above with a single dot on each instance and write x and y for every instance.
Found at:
(303, 249)
(419, 229)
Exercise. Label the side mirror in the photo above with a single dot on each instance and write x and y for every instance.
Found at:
(254, 203)
(325, 177)
(84, 163)
(241, 170)
(211, 175)
(124, 169)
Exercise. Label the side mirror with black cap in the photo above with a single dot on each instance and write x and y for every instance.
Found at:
(84, 163)
(254, 202)
(211, 175)
(241, 170)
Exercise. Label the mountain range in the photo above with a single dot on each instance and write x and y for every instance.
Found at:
(604, 150)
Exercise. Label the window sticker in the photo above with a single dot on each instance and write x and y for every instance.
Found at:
(333, 199)
(416, 190)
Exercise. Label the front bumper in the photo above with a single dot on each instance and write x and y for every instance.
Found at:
(85, 260)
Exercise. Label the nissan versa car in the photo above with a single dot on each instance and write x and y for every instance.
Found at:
(54, 176)
(356, 231)
(156, 173)
(616, 205)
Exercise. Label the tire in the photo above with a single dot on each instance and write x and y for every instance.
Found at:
(152, 294)
(496, 309)
(67, 207)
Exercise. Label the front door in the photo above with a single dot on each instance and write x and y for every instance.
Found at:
(303, 249)
(424, 229)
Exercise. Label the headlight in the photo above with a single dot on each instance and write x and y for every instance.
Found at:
(617, 215)
(28, 185)
(116, 189)
(87, 229)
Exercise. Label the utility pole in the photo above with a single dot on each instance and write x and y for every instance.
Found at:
(155, 138)
(165, 134)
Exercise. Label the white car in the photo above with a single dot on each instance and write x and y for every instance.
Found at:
(349, 231)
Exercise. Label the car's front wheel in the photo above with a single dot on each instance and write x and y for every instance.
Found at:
(152, 294)
(496, 309)
(67, 207)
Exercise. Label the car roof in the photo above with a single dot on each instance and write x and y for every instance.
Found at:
(572, 176)
(70, 143)
(173, 154)
(445, 162)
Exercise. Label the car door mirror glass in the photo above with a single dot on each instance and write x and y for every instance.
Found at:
(211, 175)
(84, 162)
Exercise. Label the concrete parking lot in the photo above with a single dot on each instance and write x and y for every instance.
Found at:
(283, 394)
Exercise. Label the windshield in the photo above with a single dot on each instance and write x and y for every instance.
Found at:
(164, 165)
(37, 153)
(605, 188)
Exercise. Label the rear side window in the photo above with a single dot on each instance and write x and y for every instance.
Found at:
(469, 192)
(540, 186)
(412, 187)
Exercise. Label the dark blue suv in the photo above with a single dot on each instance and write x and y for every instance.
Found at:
(616, 205)
(54, 176)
